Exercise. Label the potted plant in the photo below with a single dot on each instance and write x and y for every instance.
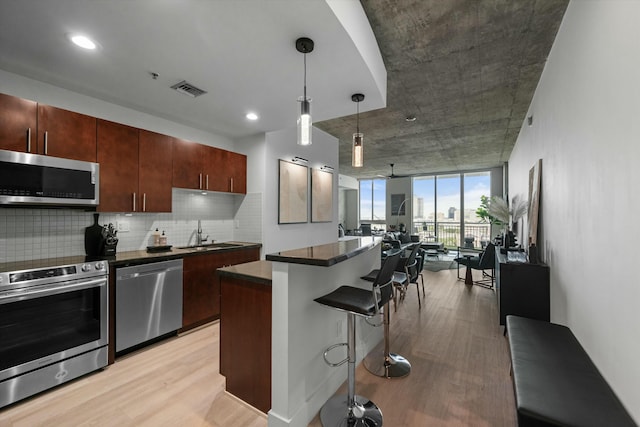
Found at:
(497, 211)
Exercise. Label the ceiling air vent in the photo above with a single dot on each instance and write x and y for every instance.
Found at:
(187, 88)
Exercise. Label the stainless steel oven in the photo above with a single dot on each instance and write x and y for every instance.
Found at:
(53, 326)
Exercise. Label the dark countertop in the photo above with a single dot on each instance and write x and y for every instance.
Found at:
(140, 257)
(254, 271)
(122, 258)
(326, 255)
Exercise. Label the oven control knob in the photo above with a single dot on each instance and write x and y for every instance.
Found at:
(99, 265)
(86, 267)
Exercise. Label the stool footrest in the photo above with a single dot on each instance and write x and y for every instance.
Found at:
(342, 362)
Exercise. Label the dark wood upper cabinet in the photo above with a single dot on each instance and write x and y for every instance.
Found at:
(238, 173)
(18, 121)
(67, 134)
(216, 162)
(202, 167)
(155, 171)
(118, 158)
(188, 164)
(135, 169)
(129, 182)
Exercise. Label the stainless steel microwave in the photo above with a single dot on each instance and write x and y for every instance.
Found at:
(32, 179)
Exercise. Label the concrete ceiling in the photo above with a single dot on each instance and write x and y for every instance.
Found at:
(466, 69)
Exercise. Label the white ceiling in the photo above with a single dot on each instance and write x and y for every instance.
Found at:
(242, 52)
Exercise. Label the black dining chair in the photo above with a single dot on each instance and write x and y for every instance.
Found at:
(410, 267)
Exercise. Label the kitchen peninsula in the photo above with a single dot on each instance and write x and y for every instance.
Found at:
(300, 329)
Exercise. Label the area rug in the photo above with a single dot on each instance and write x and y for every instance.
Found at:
(444, 263)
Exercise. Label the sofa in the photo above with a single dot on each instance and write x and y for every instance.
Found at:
(399, 240)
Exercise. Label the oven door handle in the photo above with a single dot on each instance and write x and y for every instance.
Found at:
(46, 291)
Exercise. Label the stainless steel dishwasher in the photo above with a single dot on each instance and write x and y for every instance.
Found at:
(148, 302)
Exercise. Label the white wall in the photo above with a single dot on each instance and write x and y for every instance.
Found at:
(282, 145)
(254, 147)
(585, 129)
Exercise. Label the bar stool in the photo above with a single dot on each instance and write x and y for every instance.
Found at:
(354, 410)
(390, 365)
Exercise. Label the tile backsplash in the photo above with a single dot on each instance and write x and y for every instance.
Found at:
(31, 233)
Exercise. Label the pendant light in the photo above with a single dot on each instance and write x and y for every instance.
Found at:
(357, 158)
(304, 45)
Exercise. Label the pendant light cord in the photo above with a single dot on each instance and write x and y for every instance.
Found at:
(358, 117)
(305, 77)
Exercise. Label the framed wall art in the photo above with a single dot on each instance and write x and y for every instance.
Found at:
(534, 201)
(293, 186)
(321, 196)
(397, 205)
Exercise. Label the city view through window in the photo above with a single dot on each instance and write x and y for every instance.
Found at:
(373, 203)
(443, 206)
(437, 208)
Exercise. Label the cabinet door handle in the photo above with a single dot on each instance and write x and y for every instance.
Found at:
(134, 202)
(28, 140)
(144, 202)
(200, 185)
(232, 185)
(207, 181)
(46, 140)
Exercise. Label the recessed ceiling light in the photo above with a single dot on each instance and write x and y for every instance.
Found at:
(252, 116)
(82, 41)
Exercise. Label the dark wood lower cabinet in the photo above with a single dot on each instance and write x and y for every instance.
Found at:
(245, 340)
(201, 285)
(201, 290)
(522, 289)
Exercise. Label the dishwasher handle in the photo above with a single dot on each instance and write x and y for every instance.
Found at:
(134, 275)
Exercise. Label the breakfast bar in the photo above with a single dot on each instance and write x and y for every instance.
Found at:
(301, 382)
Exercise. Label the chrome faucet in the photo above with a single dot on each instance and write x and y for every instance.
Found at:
(199, 239)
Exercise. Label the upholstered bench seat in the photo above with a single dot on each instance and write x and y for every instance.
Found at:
(555, 382)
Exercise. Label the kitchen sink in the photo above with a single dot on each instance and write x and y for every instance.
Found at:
(211, 246)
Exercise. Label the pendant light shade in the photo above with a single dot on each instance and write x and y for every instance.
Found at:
(357, 157)
(304, 45)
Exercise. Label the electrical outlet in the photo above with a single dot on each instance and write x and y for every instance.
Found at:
(237, 223)
(122, 226)
(339, 328)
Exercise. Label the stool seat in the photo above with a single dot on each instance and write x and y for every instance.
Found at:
(349, 298)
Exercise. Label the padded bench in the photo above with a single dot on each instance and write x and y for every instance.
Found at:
(554, 380)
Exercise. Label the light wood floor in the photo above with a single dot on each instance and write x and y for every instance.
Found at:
(459, 377)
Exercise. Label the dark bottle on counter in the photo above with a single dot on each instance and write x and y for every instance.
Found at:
(533, 253)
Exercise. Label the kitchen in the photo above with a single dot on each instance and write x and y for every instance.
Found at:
(66, 314)
(29, 234)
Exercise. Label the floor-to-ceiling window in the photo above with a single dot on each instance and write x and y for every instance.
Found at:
(448, 214)
(373, 203)
(444, 208)
(424, 208)
(476, 185)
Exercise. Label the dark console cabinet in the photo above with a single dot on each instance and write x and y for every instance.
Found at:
(522, 289)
